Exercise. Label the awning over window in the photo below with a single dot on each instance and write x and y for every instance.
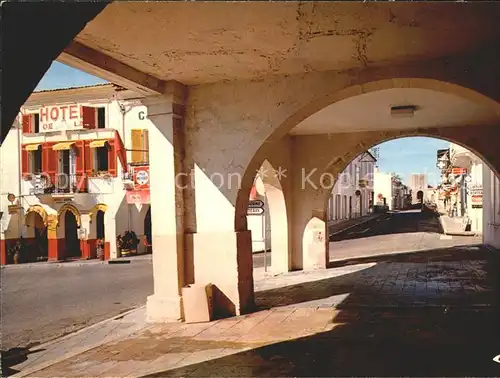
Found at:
(98, 143)
(62, 146)
(32, 147)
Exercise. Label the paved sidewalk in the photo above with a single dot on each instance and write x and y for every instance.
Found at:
(321, 323)
(73, 263)
(335, 227)
(454, 226)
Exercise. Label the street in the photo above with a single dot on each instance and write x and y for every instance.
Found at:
(394, 232)
(45, 302)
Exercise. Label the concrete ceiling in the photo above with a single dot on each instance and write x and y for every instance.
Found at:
(202, 42)
(372, 111)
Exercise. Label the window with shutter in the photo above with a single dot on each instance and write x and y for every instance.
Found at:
(101, 118)
(36, 123)
(136, 145)
(52, 163)
(27, 121)
(81, 177)
(36, 159)
(112, 158)
(145, 145)
(88, 158)
(25, 163)
(89, 117)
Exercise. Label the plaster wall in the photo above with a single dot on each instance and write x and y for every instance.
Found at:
(491, 208)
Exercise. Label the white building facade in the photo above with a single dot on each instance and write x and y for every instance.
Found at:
(77, 174)
(352, 195)
(384, 189)
(467, 176)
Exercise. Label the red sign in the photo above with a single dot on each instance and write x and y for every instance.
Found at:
(477, 199)
(138, 197)
(458, 171)
(141, 177)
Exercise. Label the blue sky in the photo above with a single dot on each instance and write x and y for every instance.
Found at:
(62, 76)
(403, 156)
(411, 155)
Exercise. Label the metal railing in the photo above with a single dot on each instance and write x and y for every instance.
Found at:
(59, 183)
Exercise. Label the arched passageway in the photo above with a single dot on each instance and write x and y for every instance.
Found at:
(148, 242)
(311, 136)
(269, 223)
(37, 232)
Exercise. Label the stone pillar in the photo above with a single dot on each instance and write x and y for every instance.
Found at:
(491, 208)
(55, 244)
(86, 242)
(110, 247)
(167, 209)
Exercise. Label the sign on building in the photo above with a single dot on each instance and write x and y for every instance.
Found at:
(141, 177)
(64, 117)
(138, 197)
(458, 171)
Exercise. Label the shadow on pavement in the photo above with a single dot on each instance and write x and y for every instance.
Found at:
(15, 356)
(382, 331)
(433, 254)
(394, 223)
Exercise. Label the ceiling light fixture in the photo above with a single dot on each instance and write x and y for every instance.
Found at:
(403, 110)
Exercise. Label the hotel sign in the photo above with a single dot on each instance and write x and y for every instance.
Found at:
(63, 117)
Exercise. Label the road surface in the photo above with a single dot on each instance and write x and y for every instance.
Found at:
(45, 302)
(410, 230)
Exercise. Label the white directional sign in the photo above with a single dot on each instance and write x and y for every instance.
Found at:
(255, 211)
(255, 204)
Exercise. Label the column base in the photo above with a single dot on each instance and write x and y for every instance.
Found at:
(225, 260)
(163, 309)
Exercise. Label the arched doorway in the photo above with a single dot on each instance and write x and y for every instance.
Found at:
(359, 203)
(41, 247)
(147, 231)
(420, 196)
(100, 228)
(72, 243)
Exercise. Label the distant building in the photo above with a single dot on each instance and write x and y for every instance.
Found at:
(417, 183)
(352, 195)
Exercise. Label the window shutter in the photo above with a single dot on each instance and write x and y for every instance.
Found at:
(112, 157)
(81, 178)
(145, 145)
(52, 162)
(88, 164)
(45, 158)
(27, 123)
(136, 146)
(89, 116)
(25, 161)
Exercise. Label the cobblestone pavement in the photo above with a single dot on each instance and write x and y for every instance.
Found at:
(431, 313)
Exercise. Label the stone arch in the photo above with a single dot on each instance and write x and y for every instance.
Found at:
(100, 206)
(72, 209)
(371, 139)
(276, 201)
(371, 81)
(38, 210)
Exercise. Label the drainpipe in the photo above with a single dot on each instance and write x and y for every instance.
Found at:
(19, 160)
(123, 111)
